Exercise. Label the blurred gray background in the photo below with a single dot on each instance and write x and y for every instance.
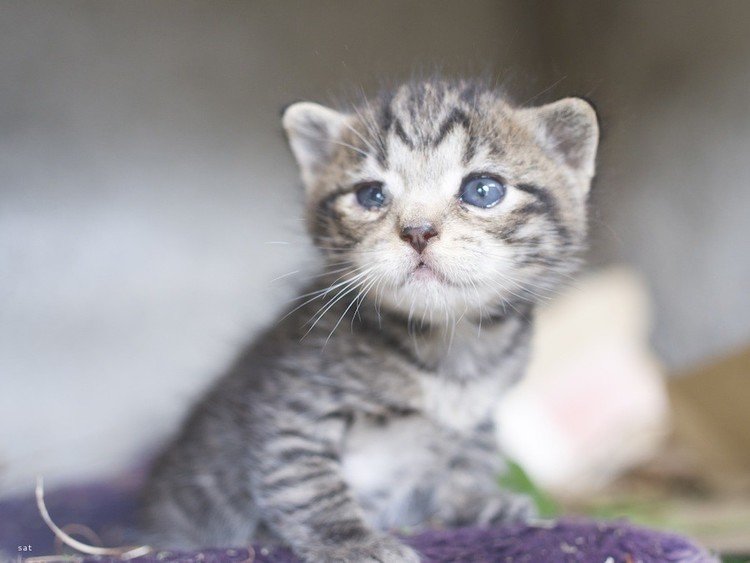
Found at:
(148, 202)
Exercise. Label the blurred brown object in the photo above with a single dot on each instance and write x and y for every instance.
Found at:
(711, 418)
(699, 483)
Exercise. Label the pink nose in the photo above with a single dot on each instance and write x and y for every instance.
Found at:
(418, 235)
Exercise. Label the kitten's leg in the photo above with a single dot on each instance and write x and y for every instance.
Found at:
(306, 502)
(468, 492)
(462, 500)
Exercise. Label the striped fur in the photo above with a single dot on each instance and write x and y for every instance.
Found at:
(368, 406)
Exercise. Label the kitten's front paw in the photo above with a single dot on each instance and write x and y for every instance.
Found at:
(508, 507)
(376, 549)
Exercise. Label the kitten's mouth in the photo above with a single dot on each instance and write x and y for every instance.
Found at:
(424, 272)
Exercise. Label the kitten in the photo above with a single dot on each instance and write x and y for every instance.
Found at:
(443, 214)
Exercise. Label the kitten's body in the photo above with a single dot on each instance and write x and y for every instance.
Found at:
(380, 415)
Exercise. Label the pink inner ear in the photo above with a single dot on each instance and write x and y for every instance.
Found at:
(571, 130)
(312, 130)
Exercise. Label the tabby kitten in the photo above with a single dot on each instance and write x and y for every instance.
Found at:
(443, 214)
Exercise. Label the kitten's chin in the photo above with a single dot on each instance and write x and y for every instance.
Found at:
(420, 287)
(424, 292)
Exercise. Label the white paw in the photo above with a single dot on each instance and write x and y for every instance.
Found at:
(508, 507)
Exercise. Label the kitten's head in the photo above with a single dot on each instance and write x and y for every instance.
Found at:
(444, 198)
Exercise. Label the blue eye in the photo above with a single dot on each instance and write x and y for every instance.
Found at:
(482, 191)
(371, 195)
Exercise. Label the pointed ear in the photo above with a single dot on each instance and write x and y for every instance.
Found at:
(311, 130)
(570, 129)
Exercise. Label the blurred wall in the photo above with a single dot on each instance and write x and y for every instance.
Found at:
(672, 80)
(147, 200)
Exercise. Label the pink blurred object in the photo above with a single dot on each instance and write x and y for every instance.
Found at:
(594, 401)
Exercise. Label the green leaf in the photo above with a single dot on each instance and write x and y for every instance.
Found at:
(515, 479)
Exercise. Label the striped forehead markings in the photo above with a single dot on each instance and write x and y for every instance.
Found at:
(456, 117)
(401, 134)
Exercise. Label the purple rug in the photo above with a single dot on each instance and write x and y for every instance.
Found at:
(109, 510)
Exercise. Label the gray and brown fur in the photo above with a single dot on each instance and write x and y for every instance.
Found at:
(369, 406)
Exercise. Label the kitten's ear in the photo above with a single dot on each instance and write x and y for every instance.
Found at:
(312, 130)
(570, 129)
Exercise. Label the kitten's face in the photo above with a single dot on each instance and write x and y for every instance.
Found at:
(443, 200)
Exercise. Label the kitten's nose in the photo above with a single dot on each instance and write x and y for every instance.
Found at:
(418, 235)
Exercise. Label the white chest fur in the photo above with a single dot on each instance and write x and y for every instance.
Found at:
(391, 458)
(460, 406)
(384, 464)
(468, 385)
(376, 453)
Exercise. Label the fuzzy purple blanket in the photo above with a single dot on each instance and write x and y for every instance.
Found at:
(109, 508)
